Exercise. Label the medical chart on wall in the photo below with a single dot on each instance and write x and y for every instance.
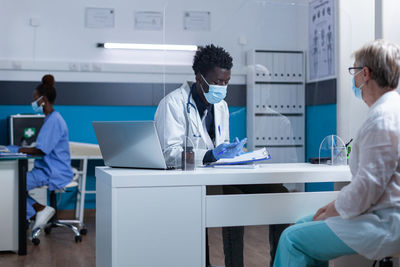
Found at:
(321, 39)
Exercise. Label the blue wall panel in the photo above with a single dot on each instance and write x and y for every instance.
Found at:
(320, 122)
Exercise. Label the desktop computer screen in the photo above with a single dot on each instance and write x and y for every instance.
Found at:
(23, 129)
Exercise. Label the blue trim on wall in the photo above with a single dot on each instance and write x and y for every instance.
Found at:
(320, 122)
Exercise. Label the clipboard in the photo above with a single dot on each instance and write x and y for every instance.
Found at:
(246, 158)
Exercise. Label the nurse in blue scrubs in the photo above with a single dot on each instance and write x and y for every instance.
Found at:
(54, 168)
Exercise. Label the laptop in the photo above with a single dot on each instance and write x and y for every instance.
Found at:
(130, 144)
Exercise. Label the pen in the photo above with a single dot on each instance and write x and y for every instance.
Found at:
(351, 140)
(348, 148)
(222, 151)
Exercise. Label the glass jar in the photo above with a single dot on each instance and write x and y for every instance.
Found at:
(188, 159)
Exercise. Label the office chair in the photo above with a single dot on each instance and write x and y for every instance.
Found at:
(386, 262)
(54, 221)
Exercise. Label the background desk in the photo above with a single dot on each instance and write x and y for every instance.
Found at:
(13, 204)
(158, 218)
(83, 153)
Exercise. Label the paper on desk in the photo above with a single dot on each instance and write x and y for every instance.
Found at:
(11, 154)
(236, 166)
(4, 149)
(256, 155)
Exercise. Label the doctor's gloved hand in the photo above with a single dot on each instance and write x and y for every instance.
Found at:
(231, 150)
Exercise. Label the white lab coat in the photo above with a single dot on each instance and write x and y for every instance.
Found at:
(369, 206)
(171, 122)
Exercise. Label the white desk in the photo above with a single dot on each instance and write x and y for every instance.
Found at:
(13, 203)
(158, 218)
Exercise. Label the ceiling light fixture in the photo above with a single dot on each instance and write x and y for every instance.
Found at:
(148, 46)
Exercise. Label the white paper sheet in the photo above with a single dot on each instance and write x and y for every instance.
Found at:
(256, 155)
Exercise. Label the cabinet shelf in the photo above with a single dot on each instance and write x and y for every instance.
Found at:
(272, 82)
(280, 114)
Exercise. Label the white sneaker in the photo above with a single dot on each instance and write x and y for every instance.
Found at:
(43, 216)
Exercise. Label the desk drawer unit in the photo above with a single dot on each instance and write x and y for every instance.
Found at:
(261, 209)
(9, 205)
(164, 220)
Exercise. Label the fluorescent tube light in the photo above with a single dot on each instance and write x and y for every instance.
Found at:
(148, 46)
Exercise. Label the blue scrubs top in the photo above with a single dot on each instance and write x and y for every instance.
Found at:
(55, 166)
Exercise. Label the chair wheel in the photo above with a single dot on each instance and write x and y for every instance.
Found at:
(78, 238)
(83, 231)
(47, 230)
(36, 241)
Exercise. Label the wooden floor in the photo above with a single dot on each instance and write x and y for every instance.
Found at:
(60, 250)
(256, 246)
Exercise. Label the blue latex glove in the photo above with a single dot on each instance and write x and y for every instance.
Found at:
(13, 149)
(231, 150)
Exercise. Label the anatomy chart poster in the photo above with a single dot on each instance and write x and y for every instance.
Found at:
(322, 39)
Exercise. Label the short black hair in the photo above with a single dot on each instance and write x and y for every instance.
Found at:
(46, 88)
(209, 57)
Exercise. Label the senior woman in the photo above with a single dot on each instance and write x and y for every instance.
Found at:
(365, 218)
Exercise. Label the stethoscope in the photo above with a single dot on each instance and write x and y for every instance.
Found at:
(189, 105)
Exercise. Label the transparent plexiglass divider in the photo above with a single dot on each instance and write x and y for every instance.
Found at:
(332, 151)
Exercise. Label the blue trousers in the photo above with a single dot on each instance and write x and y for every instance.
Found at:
(32, 182)
(309, 243)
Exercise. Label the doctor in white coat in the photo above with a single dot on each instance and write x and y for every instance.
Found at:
(178, 117)
(198, 113)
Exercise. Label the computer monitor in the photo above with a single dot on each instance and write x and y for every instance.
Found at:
(24, 128)
(130, 144)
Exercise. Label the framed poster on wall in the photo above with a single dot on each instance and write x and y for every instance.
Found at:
(321, 39)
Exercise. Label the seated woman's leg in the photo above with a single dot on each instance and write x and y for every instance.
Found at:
(309, 243)
(30, 211)
(33, 181)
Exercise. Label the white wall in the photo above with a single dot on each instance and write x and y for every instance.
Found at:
(356, 27)
(391, 20)
(61, 39)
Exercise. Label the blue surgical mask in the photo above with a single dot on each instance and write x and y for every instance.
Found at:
(216, 93)
(357, 90)
(36, 108)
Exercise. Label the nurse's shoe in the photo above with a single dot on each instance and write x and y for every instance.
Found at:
(43, 216)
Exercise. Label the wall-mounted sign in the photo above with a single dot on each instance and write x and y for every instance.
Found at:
(196, 21)
(99, 18)
(148, 21)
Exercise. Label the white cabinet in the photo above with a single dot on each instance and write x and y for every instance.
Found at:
(9, 205)
(149, 226)
(276, 104)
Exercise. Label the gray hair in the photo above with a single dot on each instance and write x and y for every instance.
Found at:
(383, 59)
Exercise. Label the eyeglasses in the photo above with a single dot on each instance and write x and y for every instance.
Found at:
(353, 70)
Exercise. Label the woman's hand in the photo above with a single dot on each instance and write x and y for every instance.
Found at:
(326, 212)
(31, 151)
